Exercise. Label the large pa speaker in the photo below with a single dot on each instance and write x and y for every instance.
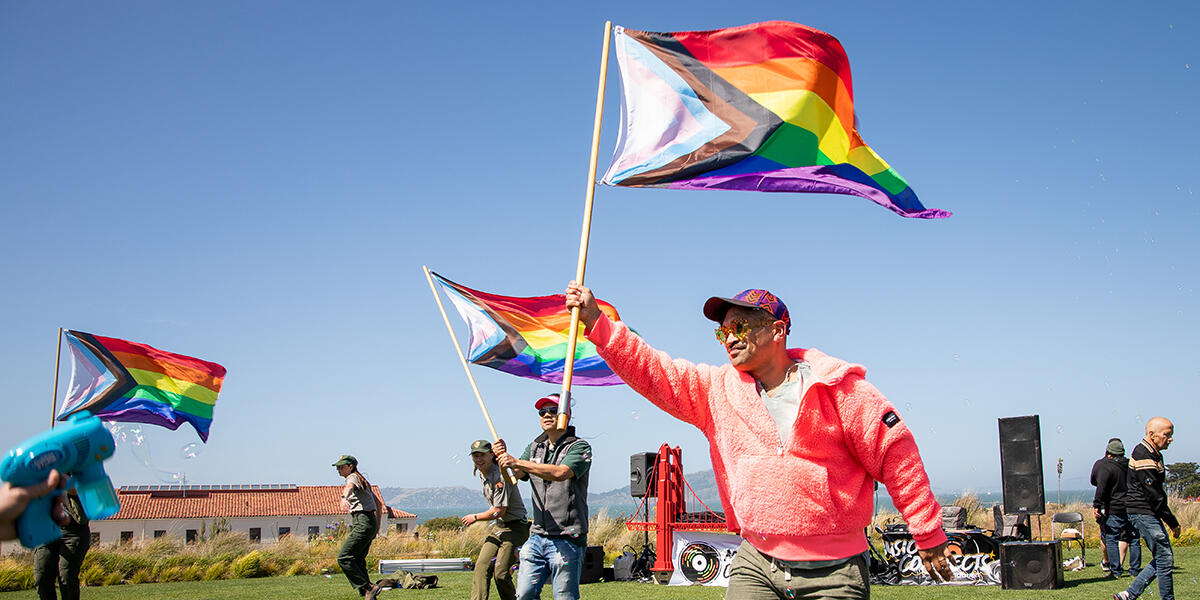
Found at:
(1031, 566)
(593, 565)
(1021, 465)
(641, 474)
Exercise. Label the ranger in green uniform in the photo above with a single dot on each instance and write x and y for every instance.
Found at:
(507, 511)
(61, 559)
(359, 501)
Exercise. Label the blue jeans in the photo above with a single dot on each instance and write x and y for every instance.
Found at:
(556, 559)
(1152, 530)
(1114, 530)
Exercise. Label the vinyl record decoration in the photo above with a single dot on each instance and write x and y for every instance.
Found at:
(699, 563)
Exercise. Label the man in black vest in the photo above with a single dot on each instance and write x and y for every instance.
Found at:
(1109, 476)
(559, 463)
(1146, 504)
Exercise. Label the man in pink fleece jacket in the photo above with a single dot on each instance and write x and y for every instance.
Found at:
(797, 440)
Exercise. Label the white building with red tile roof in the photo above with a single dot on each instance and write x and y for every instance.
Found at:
(264, 512)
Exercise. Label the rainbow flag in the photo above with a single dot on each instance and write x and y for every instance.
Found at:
(118, 380)
(527, 337)
(766, 107)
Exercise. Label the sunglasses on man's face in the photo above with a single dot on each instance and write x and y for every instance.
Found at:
(740, 328)
(547, 411)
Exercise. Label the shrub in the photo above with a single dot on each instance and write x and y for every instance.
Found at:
(114, 578)
(299, 567)
(15, 576)
(142, 576)
(226, 546)
(172, 574)
(90, 575)
(249, 565)
(215, 571)
(192, 573)
(443, 524)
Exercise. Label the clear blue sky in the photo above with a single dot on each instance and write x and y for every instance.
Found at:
(258, 184)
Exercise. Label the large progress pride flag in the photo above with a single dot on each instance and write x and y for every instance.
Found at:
(527, 337)
(119, 380)
(767, 107)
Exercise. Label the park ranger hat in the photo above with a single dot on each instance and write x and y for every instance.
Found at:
(346, 459)
(480, 446)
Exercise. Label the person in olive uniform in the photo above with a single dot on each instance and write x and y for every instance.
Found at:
(507, 512)
(61, 559)
(359, 501)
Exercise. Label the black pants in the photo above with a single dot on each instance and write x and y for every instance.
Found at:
(60, 561)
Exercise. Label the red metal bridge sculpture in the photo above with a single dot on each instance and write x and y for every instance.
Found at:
(674, 510)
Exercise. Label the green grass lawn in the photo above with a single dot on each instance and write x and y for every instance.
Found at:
(1085, 584)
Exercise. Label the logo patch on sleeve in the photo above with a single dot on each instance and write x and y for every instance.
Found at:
(891, 418)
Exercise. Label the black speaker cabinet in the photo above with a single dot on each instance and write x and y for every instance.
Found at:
(641, 474)
(1031, 566)
(593, 565)
(1021, 466)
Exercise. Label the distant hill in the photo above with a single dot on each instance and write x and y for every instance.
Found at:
(459, 499)
(616, 500)
(414, 499)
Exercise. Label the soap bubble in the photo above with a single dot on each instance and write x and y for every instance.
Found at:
(1060, 428)
(634, 415)
(191, 450)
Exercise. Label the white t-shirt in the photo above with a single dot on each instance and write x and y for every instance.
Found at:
(784, 406)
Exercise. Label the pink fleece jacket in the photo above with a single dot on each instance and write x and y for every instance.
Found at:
(808, 499)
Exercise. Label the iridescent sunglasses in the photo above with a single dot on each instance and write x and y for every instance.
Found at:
(740, 328)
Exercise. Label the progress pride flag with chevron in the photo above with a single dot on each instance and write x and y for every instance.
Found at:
(765, 107)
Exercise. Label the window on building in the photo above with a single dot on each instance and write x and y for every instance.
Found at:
(256, 534)
(159, 533)
(95, 539)
(126, 537)
(314, 532)
(401, 527)
(284, 531)
(189, 536)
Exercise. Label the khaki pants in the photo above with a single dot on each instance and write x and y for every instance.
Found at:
(757, 577)
(496, 558)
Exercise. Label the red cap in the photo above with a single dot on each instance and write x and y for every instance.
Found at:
(546, 400)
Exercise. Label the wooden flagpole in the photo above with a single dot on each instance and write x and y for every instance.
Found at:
(57, 362)
(564, 416)
(487, 417)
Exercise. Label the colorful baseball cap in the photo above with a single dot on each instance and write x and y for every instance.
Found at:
(546, 400)
(716, 307)
(480, 446)
(345, 459)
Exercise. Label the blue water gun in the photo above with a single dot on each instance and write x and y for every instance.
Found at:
(76, 449)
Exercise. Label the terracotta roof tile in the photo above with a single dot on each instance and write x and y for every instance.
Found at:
(293, 501)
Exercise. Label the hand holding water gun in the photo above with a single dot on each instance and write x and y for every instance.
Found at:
(77, 450)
